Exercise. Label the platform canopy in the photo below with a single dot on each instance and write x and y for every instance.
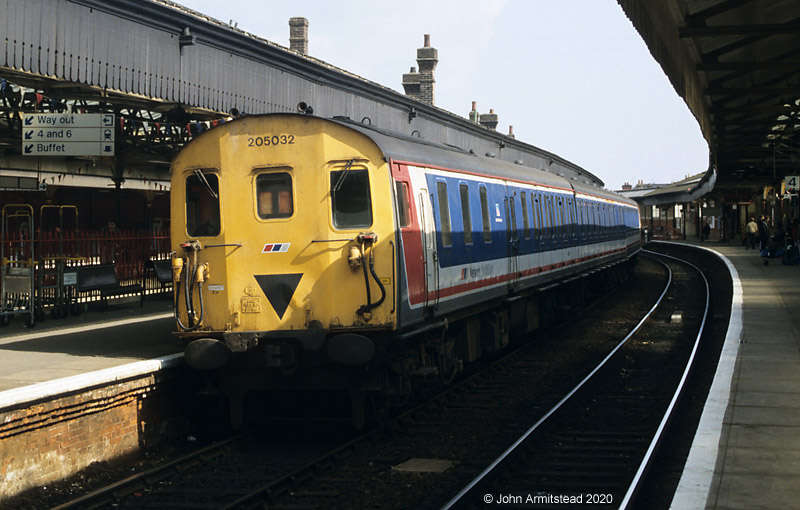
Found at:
(736, 63)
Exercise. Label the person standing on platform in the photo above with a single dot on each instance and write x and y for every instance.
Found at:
(706, 231)
(763, 232)
(751, 229)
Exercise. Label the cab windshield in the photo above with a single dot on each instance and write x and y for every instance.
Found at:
(350, 198)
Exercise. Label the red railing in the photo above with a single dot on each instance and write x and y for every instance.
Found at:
(128, 250)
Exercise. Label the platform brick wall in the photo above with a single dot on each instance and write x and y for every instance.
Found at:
(51, 440)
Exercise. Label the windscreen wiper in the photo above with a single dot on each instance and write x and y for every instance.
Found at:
(200, 175)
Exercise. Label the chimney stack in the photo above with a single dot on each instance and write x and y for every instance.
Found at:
(411, 83)
(489, 120)
(421, 85)
(298, 35)
(511, 132)
(473, 115)
(627, 187)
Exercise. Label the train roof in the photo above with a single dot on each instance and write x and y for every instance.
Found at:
(401, 147)
(417, 150)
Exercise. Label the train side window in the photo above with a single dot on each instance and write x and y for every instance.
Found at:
(573, 214)
(202, 204)
(444, 213)
(551, 216)
(274, 192)
(403, 204)
(537, 218)
(562, 217)
(466, 218)
(487, 226)
(585, 217)
(526, 222)
(596, 221)
(351, 202)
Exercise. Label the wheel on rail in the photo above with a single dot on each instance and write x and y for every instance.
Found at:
(5, 320)
(75, 309)
(39, 314)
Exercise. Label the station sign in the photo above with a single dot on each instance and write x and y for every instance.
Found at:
(791, 182)
(68, 134)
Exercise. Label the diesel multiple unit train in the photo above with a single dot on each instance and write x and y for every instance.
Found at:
(324, 254)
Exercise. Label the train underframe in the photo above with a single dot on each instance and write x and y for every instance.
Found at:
(381, 371)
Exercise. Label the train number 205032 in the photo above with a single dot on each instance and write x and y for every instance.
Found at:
(267, 141)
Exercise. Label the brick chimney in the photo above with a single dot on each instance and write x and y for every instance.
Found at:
(511, 132)
(474, 115)
(421, 85)
(489, 120)
(411, 83)
(298, 35)
(627, 187)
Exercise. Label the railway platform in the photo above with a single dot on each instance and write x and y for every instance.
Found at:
(57, 354)
(746, 452)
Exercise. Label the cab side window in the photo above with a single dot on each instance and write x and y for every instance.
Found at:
(403, 204)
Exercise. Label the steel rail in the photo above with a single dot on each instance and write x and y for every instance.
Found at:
(110, 493)
(477, 480)
(678, 392)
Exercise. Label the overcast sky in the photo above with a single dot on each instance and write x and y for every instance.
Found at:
(572, 76)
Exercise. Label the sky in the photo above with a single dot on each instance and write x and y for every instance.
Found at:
(572, 76)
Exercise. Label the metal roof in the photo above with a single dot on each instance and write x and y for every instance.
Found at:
(683, 191)
(736, 64)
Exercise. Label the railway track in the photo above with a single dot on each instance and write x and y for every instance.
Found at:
(462, 430)
(596, 444)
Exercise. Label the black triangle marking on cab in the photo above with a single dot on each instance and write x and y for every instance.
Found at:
(279, 289)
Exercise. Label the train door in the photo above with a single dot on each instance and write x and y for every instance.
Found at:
(430, 261)
(512, 233)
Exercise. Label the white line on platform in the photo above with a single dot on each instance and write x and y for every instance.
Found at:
(698, 472)
(79, 382)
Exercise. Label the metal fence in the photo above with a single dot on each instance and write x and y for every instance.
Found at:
(129, 251)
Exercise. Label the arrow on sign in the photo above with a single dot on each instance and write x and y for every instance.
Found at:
(28, 121)
(28, 149)
(28, 135)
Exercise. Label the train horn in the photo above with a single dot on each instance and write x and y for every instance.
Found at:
(304, 108)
